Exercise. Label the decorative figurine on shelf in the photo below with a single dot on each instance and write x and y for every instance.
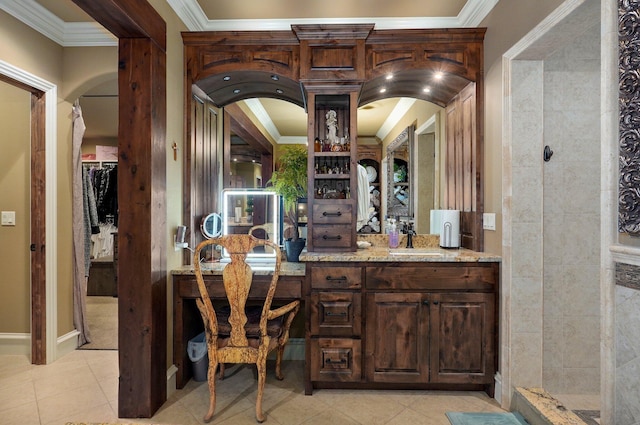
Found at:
(332, 129)
(332, 125)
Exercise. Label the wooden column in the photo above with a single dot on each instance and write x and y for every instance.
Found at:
(142, 229)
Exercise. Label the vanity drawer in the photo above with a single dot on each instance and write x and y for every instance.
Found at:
(472, 276)
(336, 277)
(336, 359)
(331, 236)
(336, 313)
(335, 212)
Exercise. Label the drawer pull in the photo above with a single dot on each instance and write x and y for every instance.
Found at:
(332, 214)
(330, 313)
(339, 278)
(341, 361)
(327, 237)
(425, 302)
(436, 303)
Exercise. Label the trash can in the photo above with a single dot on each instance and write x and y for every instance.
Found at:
(197, 350)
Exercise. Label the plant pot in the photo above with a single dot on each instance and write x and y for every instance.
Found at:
(293, 249)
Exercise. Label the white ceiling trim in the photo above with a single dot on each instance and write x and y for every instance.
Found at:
(190, 12)
(400, 110)
(66, 34)
(261, 114)
(83, 34)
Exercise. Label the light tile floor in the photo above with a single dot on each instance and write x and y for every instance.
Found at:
(83, 387)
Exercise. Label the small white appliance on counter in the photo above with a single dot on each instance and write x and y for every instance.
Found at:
(446, 223)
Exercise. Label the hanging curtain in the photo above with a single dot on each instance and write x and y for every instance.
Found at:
(80, 268)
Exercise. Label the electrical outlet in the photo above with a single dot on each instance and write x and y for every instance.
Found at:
(8, 218)
(489, 221)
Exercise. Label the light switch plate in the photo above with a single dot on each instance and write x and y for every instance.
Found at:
(489, 221)
(8, 218)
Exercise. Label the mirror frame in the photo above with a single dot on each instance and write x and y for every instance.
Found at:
(407, 136)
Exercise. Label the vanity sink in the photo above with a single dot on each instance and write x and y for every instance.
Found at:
(435, 252)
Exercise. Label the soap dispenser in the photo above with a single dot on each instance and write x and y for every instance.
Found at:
(394, 237)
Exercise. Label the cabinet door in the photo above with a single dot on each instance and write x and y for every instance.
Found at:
(463, 338)
(397, 333)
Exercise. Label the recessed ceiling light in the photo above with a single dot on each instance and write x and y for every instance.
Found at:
(383, 89)
(275, 77)
(279, 91)
(236, 91)
(389, 76)
(226, 77)
(438, 75)
(426, 89)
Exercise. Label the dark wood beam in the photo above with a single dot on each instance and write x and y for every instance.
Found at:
(128, 19)
(142, 227)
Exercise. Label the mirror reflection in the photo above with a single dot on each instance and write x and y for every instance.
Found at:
(252, 211)
(416, 161)
(399, 188)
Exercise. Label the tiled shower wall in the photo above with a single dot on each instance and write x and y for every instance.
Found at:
(571, 221)
(555, 207)
(627, 409)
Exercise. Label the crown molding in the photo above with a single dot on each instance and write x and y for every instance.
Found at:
(190, 12)
(473, 13)
(263, 117)
(79, 34)
(66, 34)
(400, 110)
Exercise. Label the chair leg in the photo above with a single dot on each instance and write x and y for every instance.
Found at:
(221, 374)
(211, 380)
(279, 354)
(261, 366)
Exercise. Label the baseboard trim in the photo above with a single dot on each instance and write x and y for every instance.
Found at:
(67, 343)
(15, 344)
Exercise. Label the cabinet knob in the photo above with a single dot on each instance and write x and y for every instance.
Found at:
(425, 302)
(436, 302)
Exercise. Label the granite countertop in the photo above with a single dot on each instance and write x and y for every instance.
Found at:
(402, 255)
(286, 269)
(426, 248)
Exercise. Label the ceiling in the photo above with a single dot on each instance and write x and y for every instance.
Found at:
(68, 25)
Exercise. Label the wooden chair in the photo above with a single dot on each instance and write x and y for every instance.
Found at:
(241, 333)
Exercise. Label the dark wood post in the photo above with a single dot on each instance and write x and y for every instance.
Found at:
(142, 228)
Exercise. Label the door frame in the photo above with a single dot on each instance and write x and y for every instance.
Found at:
(43, 209)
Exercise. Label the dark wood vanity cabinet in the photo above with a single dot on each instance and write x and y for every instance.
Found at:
(421, 325)
(430, 337)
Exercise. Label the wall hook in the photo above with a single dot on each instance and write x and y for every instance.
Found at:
(548, 153)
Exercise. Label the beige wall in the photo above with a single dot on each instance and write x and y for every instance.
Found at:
(75, 70)
(15, 167)
(28, 50)
(507, 23)
(175, 134)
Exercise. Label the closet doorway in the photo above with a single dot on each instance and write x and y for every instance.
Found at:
(99, 151)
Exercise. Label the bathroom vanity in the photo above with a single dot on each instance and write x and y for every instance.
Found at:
(423, 318)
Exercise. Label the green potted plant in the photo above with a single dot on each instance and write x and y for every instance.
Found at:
(249, 209)
(289, 180)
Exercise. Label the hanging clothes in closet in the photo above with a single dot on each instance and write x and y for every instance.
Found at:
(105, 185)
